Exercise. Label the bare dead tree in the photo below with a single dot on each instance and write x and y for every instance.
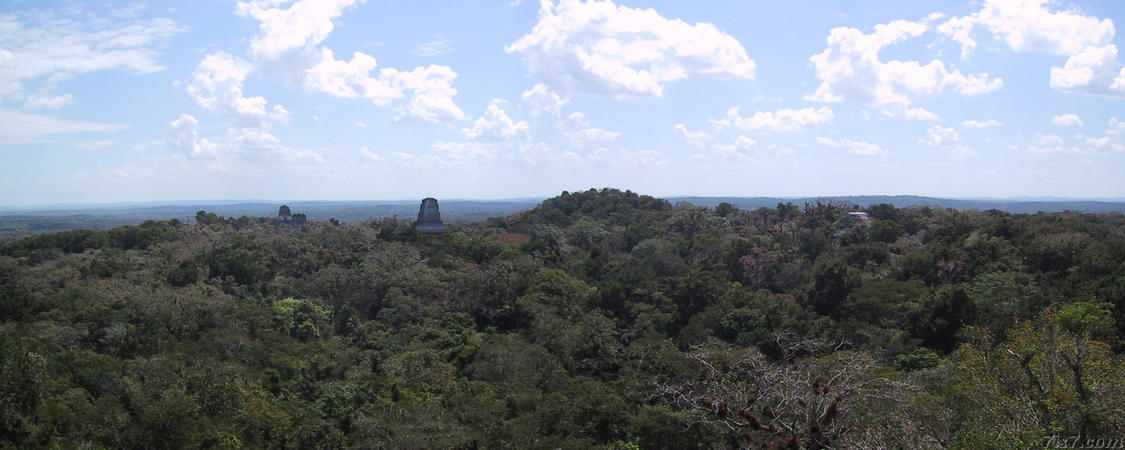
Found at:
(814, 402)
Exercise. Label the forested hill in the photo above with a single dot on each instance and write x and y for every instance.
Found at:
(599, 319)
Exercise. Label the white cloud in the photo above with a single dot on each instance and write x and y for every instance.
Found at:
(850, 69)
(370, 155)
(946, 139)
(1030, 26)
(600, 48)
(694, 138)
(1112, 141)
(57, 48)
(648, 158)
(466, 151)
(305, 24)
(746, 148)
(45, 99)
(939, 135)
(217, 83)
(253, 145)
(1093, 70)
(960, 151)
(288, 46)
(433, 94)
(436, 47)
(980, 124)
(349, 79)
(587, 136)
(359, 124)
(577, 120)
(183, 135)
(1067, 120)
(18, 127)
(781, 121)
(919, 113)
(544, 101)
(490, 135)
(261, 146)
(1050, 144)
(496, 126)
(860, 148)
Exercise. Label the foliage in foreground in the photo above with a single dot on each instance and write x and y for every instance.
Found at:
(599, 319)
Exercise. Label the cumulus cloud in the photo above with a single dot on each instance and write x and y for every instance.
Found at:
(978, 124)
(851, 69)
(781, 121)
(1112, 141)
(491, 134)
(947, 140)
(288, 46)
(586, 137)
(240, 144)
(1067, 120)
(601, 48)
(217, 83)
(747, 148)
(369, 155)
(433, 92)
(1032, 26)
(1050, 144)
(19, 127)
(302, 26)
(496, 135)
(918, 113)
(694, 138)
(183, 135)
(939, 135)
(496, 126)
(544, 101)
(860, 148)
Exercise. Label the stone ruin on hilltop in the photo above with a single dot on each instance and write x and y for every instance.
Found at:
(429, 219)
(287, 218)
(854, 219)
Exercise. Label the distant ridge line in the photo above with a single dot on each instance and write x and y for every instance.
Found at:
(901, 201)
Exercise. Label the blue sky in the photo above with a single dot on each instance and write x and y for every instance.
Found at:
(352, 99)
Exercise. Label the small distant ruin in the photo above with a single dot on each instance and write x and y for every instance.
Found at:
(287, 218)
(853, 219)
(429, 219)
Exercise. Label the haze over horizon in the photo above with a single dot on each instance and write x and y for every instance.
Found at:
(342, 100)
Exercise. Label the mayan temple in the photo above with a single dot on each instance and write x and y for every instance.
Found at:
(429, 219)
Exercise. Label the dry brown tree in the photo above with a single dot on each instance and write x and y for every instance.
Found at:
(816, 396)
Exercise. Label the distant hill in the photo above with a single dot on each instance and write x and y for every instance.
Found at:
(23, 222)
(15, 223)
(1014, 206)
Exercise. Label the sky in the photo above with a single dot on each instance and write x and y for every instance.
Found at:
(104, 101)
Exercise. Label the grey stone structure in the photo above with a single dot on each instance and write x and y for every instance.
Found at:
(288, 218)
(429, 219)
(853, 219)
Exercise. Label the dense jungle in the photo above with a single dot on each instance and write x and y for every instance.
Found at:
(598, 319)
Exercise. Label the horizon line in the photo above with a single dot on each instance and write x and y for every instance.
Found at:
(226, 202)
